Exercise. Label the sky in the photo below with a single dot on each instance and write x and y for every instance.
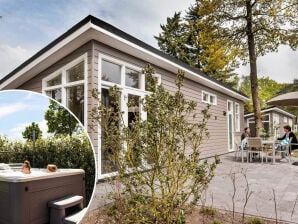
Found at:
(27, 26)
(18, 109)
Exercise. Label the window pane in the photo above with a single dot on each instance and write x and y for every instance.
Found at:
(111, 72)
(149, 83)
(55, 81)
(205, 97)
(75, 73)
(75, 101)
(212, 99)
(134, 115)
(236, 108)
(132, 78)
(107, 164)
(55, 94)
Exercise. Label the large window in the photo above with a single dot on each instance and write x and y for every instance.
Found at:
(132, 85)
(67, 86)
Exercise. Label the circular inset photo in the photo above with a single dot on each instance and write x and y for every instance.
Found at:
(47, 164)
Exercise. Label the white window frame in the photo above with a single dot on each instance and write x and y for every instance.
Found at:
(231, 111)
(125, 90)
(64, 85)
(285, 119)
(237, 117)
(209, 96)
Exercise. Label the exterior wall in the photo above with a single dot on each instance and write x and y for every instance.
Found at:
(217, 125)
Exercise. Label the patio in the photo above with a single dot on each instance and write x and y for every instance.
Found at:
(262, 179)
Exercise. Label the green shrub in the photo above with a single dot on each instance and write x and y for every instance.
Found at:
(216, 222)
(208, 211)
(255, 220)
(65, 152)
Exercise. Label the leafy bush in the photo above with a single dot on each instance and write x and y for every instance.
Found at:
(160, 175)
(63, 151)
(206, 210)
(216, 222)
(255, 220)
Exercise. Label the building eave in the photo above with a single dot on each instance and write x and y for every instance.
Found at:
(92, 28)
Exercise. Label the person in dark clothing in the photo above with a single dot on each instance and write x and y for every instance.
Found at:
(288, 135)
(246, 133)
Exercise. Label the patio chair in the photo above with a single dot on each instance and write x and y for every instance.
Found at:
(288, 149)
(238, 150)
(291, 144)
(254, 146)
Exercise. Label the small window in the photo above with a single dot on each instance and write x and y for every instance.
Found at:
(111, 72)
(285, 119)
(75, 73)
(55, 81)
(132, 78)
(209, 98)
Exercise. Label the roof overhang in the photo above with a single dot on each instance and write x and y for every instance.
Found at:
(66, 44)
(276, 109)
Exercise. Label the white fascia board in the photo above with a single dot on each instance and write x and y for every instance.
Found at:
(273, 109)
(165, 60)
(46, 54)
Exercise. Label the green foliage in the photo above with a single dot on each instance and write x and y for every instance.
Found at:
(268, 88)
(32, 132)
(206, 210)
(252, 28)
(65, 152)
(160, 174)
(216, 222)
(59, 120)
(187, 40)
(255, 220)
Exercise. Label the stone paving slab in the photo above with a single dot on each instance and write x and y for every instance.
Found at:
(262, 180)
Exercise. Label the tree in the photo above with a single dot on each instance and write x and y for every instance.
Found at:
(254, 28)
(187, 40)
(160, 174)
(60, 120)
(32, 132)
(269, 88)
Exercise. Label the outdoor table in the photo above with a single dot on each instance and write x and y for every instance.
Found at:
(271, 142)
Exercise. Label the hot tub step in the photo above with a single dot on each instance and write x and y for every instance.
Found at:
(66, 202)
(75, 218)
(58, 207)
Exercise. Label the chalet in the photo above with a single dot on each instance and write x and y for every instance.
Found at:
(94, 54)
(274, 119)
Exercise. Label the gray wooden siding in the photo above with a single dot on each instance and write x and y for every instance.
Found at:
(218, 141)
(217, 125)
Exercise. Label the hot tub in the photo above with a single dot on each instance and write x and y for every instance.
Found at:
(24, 197)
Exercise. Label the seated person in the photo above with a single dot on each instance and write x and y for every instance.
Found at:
(51, 168)
(285, 140)
(26, 167)
(244, 136)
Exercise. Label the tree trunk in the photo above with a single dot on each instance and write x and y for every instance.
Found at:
(253, 69)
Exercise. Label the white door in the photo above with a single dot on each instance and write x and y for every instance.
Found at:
(230, 116)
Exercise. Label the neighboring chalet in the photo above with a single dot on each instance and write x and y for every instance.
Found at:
(94, 54)
(273, 119)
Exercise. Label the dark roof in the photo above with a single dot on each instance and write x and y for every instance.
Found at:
(121, 34)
